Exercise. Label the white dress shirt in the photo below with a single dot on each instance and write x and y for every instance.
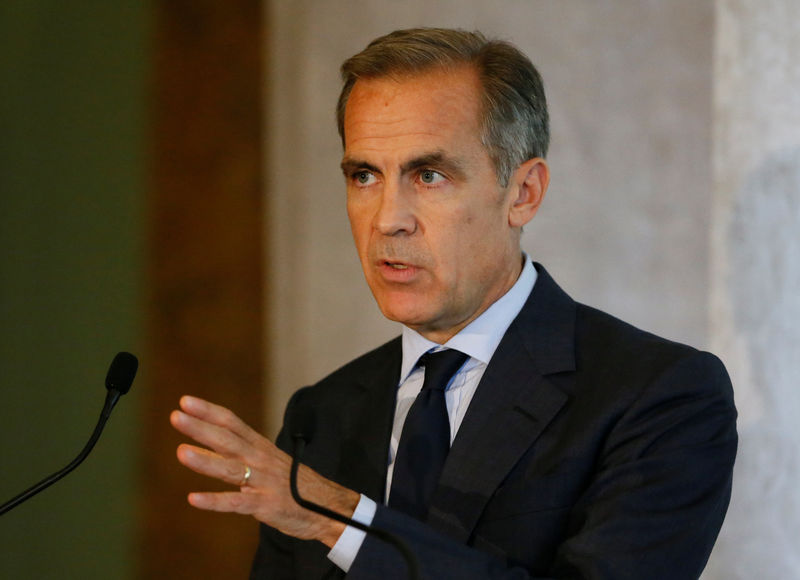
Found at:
(479, 339)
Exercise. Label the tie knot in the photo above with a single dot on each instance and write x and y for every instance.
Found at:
(440, 367)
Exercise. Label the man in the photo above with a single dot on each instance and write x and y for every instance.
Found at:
(579, 446)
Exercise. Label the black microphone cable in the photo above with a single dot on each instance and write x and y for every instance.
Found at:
(301, 431)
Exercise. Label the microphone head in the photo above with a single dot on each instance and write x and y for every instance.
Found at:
(121, 372)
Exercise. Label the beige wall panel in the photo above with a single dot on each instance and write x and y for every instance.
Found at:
(624, 226)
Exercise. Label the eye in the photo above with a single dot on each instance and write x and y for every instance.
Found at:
(363, 178)
(430, 177)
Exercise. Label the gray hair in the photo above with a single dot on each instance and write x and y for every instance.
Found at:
(514, 120)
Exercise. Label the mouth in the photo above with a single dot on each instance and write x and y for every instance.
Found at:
(396, 265)
(394, 271)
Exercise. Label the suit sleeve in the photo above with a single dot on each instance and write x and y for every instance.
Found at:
(273, 558)
(652, 509)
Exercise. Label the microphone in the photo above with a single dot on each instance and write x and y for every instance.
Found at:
(301, 427)
(118, 382)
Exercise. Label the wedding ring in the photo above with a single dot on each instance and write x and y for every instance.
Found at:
(247, 473)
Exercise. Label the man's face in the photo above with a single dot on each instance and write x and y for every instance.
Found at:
(430, 221)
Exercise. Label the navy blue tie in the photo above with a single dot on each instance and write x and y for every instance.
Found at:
(425, 440)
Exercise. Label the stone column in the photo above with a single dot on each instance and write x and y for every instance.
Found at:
(755, 274)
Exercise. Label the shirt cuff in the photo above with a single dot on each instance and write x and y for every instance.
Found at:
(346, 549)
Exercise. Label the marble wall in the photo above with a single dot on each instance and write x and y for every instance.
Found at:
(755, 259)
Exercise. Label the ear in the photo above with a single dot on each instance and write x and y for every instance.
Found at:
(528, 185)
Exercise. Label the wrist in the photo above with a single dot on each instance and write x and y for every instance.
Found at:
(343, 502)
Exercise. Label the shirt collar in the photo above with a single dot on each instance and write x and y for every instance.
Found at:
(480, 338)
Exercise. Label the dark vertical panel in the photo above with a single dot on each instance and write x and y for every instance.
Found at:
(205, 267)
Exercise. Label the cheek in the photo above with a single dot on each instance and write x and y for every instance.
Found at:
(359, 225)
(482, 244)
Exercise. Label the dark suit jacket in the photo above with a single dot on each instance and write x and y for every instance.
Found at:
(591, 449)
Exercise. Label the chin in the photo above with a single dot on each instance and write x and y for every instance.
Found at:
(409, 314)
(403, 317)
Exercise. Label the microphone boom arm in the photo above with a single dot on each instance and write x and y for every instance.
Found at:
(118, 382)
(50, 480)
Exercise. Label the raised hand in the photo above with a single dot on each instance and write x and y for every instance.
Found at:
(238, 455)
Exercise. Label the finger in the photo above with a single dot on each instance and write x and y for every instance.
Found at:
(230, 501)
(217, 438)
(208, 463)
(221, 417)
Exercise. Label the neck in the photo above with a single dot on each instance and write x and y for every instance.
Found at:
(442, 335)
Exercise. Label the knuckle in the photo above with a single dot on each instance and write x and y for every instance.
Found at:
(227, 440)
(233, 472)
(261, 458)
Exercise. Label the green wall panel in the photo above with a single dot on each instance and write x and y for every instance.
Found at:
(72, 185)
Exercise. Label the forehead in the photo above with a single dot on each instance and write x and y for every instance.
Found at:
(437, 107)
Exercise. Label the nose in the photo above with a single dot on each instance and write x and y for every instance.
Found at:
(395, 213)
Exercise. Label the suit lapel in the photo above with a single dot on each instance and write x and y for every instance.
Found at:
(367, 425)
(513, 405)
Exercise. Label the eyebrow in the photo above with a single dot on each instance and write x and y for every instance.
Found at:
(433, 160)
(350, 165)
(436, 160)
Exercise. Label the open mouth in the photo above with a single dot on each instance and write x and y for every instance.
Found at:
(397, 265)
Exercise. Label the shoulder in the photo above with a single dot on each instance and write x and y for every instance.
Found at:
(352, 377)
(332, 398)
(367, 363)
(644, 370)
(602, 336)
(603, 350)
